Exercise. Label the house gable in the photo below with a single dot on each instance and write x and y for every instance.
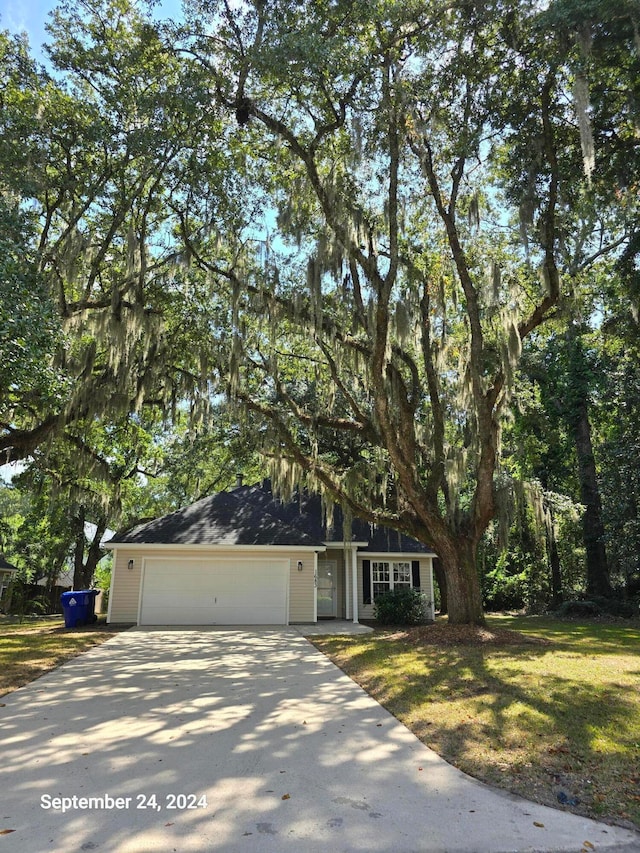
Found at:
(223, 519)
(6, 566)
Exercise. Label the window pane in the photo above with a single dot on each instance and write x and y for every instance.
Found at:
(380, 589)
(380, 572)
(380, 575)
(402, 574)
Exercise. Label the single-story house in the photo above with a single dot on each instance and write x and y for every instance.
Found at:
(243, 557)
(7, 571)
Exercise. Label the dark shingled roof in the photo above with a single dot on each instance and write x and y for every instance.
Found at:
(251, 515)
(221, 519)
(305, 512)
(6, 566)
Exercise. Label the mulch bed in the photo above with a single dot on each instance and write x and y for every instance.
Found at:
(462, 635)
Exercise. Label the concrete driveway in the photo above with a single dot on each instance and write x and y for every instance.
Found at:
(241, 740)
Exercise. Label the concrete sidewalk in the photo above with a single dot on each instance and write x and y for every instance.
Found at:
(241, 740)
(331, 626)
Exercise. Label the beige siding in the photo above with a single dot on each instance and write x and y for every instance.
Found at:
(125, 586)
(125, 583)
(365, 611)
(426, 584)
(302, 588)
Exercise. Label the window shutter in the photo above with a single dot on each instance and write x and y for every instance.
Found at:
(415, 574)
(366, 581)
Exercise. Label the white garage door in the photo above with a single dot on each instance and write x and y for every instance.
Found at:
(215, 592)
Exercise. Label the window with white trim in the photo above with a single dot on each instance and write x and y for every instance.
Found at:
(386, 576)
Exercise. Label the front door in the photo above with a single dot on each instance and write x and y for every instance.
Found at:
(327, 590)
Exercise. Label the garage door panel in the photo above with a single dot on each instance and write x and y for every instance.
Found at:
(215, 592)
(178, 615)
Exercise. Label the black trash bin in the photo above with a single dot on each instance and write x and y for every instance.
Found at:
(78, 607)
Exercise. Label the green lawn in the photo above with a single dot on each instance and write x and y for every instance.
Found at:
(30, 648)
(552, 712)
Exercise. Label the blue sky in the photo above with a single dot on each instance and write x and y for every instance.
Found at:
(29, 15)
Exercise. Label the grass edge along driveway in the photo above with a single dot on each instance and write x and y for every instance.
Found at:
(29, 649)
(548, 709)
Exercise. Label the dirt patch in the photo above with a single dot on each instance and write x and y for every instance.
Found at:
(99, 626)
(462, 635)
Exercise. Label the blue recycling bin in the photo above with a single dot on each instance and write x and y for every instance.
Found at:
(78, 607)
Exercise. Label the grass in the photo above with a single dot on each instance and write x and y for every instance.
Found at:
(30, 648)
(546, 708)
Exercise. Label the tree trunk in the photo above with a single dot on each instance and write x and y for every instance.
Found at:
(78, 551)
(84, 570)
(598, 582)
(554, 563)
(441, 580)
(464, 596)
(579, 385)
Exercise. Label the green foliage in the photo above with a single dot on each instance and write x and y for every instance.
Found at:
(102, 576)
(515, 583)
(618, 424)
(19, 599)
(380, 341)
(400, 607)
(29, 328)
(112, 145)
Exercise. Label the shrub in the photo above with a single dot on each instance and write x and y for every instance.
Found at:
(21, 601)
(400, 607)
(578, 608)
(599, 606)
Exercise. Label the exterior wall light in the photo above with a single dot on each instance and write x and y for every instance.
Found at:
(130, 565)
(299, 565)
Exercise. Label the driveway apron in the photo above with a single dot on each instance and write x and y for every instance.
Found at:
(241, 740)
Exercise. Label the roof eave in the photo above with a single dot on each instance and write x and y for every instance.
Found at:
(397, 554)
(174, 546)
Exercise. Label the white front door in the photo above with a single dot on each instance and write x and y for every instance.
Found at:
(327, 590)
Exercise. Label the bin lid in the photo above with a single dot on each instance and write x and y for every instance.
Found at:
(66, 596)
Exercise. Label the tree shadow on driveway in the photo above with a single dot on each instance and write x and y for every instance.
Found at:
(196, 740)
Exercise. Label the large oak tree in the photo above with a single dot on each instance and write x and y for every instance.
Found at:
(379, 334)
